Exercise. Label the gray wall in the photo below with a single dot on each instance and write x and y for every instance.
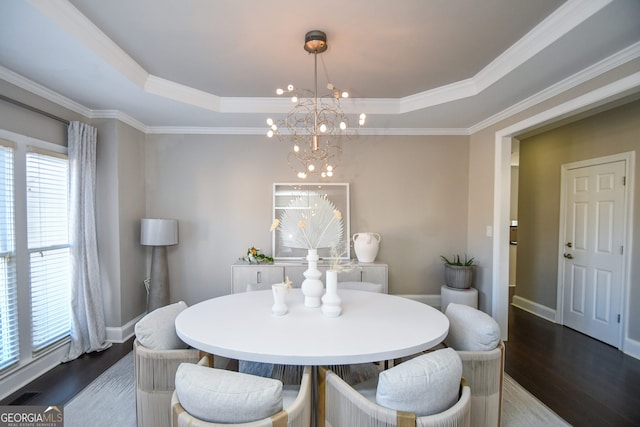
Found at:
(28, 123)
(120, 204)
(444, 204)
(541, 156)
(120, 196)
(489, 169)
(410, 190)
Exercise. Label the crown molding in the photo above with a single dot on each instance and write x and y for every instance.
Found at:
(182, 93)
(585, 102)
(195, 130)
(568, 16)
(440, 95)
(43, 92)
(78, 26)
(372, 106)
(48, 94)
(565, 18)
(120, 116)
(620, 58)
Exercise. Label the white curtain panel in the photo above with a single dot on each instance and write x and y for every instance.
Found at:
(88, 329)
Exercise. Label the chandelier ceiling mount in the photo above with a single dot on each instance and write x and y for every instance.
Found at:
(315, 41)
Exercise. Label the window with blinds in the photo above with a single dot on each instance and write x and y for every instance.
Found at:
(9, 345)
(48, 246)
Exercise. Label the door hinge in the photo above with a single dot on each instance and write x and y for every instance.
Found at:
(624, 180)
(618, 318)
(621, 250)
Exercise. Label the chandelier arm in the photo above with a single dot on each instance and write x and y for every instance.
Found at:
(316, 139)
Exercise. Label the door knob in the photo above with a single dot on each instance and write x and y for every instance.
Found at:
(568, 256)
(569, 244)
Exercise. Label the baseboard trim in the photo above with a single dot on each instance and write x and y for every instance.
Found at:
(21, 376)
(121, 334)
(532, 307)
(632, 348)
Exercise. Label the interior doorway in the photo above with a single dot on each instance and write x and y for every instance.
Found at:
(591, 247)
(502, 170)
(513, 218)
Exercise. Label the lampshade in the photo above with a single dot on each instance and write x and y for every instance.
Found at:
(158, 232)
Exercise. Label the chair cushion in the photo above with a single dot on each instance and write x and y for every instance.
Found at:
(471, 329)
(157, 330)
(425, 385)
(220, 396)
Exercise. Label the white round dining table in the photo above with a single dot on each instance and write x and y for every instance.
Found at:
(372, 327)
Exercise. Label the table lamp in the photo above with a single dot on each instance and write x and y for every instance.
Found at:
(158, 233)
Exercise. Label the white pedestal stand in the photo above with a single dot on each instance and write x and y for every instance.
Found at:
(459, 296)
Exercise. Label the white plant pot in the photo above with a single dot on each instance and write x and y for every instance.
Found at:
(366, 246)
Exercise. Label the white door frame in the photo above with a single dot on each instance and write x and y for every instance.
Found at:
(627, 223)
(502, 183)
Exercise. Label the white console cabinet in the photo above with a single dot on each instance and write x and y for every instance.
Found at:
(243, 274)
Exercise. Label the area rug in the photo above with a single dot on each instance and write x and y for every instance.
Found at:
(521, 408)
(110, 401)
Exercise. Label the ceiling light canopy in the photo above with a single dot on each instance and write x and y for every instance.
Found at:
(314, 126)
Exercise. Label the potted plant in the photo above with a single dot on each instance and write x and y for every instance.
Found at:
(458, 274)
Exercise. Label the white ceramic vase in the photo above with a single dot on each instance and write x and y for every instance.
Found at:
(279, 307)
(312, 287)
(366, 246)
(331, 302)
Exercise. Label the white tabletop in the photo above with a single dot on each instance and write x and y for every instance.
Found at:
(372, 327)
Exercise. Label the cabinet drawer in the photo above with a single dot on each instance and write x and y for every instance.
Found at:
(242, 275)
(267, 274)
(376, 274)
(354, 275)
(295, 273)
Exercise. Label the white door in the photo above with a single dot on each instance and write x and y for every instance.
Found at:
(593, 249)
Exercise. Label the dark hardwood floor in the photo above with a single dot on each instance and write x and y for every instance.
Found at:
(60, 384)
(586, 382)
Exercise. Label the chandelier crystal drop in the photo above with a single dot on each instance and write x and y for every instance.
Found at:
(315, 125)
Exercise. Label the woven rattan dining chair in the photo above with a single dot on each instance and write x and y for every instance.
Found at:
(476, 338)
(158, 352)
(155, 372)
(342, 405)
(296, 404)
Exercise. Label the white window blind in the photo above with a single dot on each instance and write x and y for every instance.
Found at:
(48, 244)
(9, 345)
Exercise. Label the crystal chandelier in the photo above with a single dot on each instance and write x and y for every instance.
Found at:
(314, 126)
